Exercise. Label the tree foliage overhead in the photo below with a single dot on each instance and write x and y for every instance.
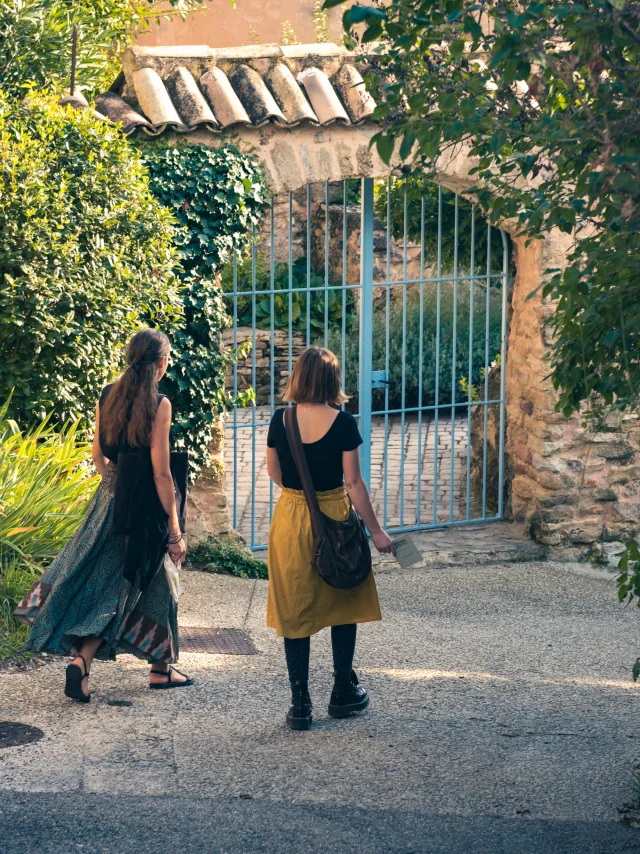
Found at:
(546, 92)
(35, 39)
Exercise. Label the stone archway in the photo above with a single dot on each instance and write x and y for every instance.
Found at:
(574, 492)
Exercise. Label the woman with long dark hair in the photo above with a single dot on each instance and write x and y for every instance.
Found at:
(107, 592)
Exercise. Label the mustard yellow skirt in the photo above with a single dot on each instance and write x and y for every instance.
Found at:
(300, 603)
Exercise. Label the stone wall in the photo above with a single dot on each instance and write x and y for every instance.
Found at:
(262, 386)
(207, 507)
(575, 490)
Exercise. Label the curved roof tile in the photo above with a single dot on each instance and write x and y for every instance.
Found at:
(254, 94)
(225, 103)
(349, 83)
(189, 100)
(324, 100)
(118, 110)
(154, 100)
(289, 95)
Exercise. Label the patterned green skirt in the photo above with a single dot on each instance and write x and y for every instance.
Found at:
(83, 593)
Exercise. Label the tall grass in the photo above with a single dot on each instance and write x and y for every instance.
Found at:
(45, 483)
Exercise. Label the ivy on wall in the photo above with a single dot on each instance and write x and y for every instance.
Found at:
(217, 196)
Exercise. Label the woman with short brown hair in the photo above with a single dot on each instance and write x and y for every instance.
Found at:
(300, 603)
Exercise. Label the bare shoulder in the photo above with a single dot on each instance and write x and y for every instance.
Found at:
(162, 419)
(164, 407)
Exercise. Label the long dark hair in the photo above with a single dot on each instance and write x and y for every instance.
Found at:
(133, 401)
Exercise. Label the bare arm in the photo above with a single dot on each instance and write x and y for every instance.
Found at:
(160, 460)
(273, 466)
(357, 490)
(96, 451)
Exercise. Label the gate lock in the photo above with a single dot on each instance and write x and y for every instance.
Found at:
(379, 379)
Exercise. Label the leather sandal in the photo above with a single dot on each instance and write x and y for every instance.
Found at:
(161, 686)
(73, 685)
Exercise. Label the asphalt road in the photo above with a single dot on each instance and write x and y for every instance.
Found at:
(103, 824)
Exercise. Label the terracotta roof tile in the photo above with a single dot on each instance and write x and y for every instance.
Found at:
(186, 88)
(220, 93)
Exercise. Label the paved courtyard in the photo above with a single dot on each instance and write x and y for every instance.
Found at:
(503, 720)
(407, 464)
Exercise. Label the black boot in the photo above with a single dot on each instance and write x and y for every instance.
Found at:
(348, 695)
(299, 715)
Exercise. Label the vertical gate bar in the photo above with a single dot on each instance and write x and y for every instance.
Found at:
(272, 330)
(366, 323)
(345, 236)
(308, 265)
(405, 240)
(326, 265)
(420, 359)
(503, 370)
(453, 358)
(486, 373)
(235, 390)
(437, 377)
(290, 281)
(387, 342)
(253, 385)
(470, 396)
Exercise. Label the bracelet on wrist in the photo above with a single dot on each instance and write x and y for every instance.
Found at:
(174, 538)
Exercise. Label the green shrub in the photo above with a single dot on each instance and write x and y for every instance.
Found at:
(217, 195)
(412, 344)
(17, 577)
(298, 299)
(420, 187)
(226, 554)
(45, 484)
(87, 256)
(35, 38)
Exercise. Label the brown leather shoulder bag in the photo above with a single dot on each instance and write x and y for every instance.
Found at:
(341, 553)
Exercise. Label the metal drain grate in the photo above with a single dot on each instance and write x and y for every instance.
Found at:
(215, 641)
(13, 734)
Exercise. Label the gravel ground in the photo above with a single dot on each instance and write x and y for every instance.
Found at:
(503, 718)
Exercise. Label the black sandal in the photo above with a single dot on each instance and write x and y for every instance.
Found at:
(158, 686)
(73, 686)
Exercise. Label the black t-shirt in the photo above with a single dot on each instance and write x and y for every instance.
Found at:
(324, 456)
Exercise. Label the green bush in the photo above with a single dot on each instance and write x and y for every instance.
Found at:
(411, 345)
(45, 484)
(44, 487)
(217, 196)
(87, 256)
(17, 577)
(298, 299)
(418, 188)
(226, 554)
(35, 39)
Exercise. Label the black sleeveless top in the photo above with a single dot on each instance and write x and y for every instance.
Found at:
(324, 456)
(111, 451)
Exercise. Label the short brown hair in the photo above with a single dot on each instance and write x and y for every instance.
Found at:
(316, 378)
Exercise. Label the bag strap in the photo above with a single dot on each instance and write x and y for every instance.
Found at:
(292, 431)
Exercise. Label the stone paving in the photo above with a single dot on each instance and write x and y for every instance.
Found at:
(406, 480)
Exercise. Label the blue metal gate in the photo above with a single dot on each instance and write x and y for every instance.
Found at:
(409, 287)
